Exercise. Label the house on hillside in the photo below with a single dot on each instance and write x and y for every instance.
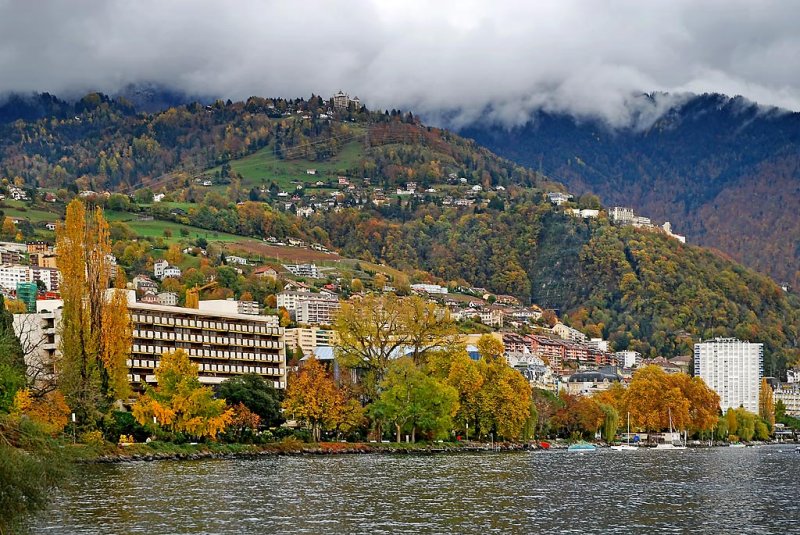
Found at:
(265, 272)
(558, 198)
(232, 259)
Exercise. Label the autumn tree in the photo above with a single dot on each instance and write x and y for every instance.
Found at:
(244, 423)
(356, 286)
(179, 402)
(313, 397)
(9, 229)
(467, 377)
(49, 411)
(766, 403)
(490, 347)
(374, 329)
(174, 255)
(95, 329)
(505, 401)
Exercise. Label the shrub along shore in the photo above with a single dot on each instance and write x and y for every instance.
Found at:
(157, 451)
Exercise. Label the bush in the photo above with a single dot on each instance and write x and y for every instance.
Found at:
(93, 438)
(123, 423)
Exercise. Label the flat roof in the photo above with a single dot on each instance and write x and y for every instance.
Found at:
(206, 313)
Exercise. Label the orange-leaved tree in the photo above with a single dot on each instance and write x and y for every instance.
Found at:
(313, 397)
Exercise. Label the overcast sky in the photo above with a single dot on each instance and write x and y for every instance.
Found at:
(587, 57)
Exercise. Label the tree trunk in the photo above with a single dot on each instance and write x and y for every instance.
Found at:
(398, 432)
(414, 434)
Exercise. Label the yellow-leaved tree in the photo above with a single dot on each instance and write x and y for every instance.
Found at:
(95, 326)
(766, 404)
(49, 411)
(179, 402)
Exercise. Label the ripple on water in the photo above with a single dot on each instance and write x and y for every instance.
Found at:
(706, 491)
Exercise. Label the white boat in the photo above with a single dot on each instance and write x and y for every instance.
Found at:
(626, 447)
(670, 445)
(582, 447)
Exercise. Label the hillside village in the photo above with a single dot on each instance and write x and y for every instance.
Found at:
(290, 289)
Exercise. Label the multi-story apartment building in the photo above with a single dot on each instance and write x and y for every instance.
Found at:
(39, 338)
(308, 339)
(304, 270)
(222, 343)
(568, 333)
(290, 300)
(733, 369)
(621, 215)
(628, 359)
(317, 312)
(789, 394)
(48, 276)
(10, 276)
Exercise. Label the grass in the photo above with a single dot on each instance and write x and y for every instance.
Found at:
(156, 228)
(263, 167)
(20, 209)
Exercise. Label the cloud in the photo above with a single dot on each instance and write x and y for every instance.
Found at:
(442, 59)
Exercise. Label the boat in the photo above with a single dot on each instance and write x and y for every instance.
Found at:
(582, 447)
(544, 445)
(670, 445)
(627, 446)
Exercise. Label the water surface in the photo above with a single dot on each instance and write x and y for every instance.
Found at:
(723, 490)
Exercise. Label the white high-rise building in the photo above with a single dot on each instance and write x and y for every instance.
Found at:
(733, 369)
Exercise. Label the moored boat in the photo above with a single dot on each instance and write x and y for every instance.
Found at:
(582, 446)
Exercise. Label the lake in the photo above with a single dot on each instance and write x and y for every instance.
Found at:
(720, 490)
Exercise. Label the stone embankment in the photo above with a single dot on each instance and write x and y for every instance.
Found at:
(142, 452)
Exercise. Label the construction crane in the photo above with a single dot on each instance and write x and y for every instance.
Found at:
(193, 294)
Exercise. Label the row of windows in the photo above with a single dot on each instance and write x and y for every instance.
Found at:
(206, 367)
(206, 324)
(205, 339)
(210, 353)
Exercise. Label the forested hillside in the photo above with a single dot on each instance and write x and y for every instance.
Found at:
(639, 289)
(102, 143)
(384, 188)
(724, 171)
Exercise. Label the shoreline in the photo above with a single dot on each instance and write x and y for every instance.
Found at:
(191, 452)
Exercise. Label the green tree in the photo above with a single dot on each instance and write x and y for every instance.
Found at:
(256, 394)
(12, 362)
(414, 401)
(610, 422)
(31, 465)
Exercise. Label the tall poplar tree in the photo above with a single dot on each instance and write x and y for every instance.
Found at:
(766, 404)
(95, 326)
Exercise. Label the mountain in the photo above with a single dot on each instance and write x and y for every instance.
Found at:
(724, 171)
(384, 188)
(153, 97)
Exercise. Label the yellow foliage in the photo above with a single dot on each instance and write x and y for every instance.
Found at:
(179, 402)
(49, 411)
(15, 306)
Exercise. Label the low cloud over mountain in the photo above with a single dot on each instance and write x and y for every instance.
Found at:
(443, 59)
